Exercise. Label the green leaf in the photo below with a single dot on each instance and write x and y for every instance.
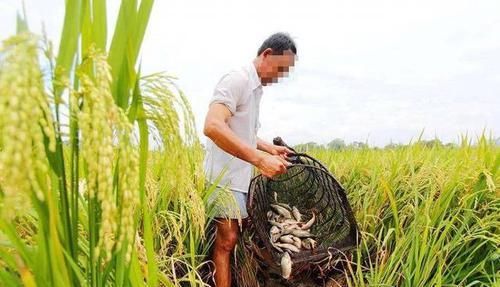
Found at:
(69, 39)
(99, 23)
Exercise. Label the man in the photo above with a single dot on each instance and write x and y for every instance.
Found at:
(233, 147)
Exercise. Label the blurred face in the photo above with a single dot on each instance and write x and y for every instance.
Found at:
(274, 67)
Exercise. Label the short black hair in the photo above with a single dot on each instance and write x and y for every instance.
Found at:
(278, 42)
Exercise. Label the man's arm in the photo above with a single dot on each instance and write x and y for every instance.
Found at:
(217, 129)
(264, 146)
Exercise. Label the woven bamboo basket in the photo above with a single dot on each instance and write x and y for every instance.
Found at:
(310, 187)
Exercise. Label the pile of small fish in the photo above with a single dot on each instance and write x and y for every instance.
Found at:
(289, 233)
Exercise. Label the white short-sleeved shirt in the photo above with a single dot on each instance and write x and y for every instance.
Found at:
(240, 91)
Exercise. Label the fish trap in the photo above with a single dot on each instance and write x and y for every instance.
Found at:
(310, 187)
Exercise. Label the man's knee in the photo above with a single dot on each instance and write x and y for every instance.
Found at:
(226, 238)
(228, 242)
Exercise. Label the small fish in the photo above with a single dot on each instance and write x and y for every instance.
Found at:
(274, 233)
(275, 197)
(275, 230)
(284, 205)
(309, 243)
(276, 217)
(296, 213)
(301, 233)
(288, 246)
(297, 242)
(287, 239)
(286, 265)
(288, 230)
(270, 214)
(277, 247)
(275, 223)
(290, 221)
(309, 223)
(291, 226)
(275, 237)
(281, 210)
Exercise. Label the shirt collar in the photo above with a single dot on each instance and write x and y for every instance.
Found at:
(254, 77)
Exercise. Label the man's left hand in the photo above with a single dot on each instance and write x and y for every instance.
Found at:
(282, 151)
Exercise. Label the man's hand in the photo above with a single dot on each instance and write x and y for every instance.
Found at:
(281, 151)
(278, 150)
(272, 165)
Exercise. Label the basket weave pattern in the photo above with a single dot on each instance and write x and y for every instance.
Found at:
(310, 187)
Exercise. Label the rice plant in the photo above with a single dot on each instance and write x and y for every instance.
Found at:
(90, 192)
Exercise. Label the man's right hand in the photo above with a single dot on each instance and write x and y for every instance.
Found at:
(272, 165)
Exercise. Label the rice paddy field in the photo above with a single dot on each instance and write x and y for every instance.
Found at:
(429, 216)
(101, 182)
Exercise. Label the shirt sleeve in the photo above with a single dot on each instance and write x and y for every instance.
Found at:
(229, 91)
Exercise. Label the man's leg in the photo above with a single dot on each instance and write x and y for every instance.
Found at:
(225, 240)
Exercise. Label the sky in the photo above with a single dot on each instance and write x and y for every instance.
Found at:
(370, 71)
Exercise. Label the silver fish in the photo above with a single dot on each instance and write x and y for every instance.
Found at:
(275, 223)
(286, 265)
(290, 221)
(284, 205)
(287, 239)
(275, 237)
(297, 242)
(288, 246)
(309, 243)
(274, 233)
(308, 224)
(296, 213)
(277, 248)
(288, 230)
(276, 217)
(301, 233)
(281, 210)
(275, 230)
(291, 226)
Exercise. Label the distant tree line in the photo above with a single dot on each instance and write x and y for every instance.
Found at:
(336, 144)
(340, 144)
